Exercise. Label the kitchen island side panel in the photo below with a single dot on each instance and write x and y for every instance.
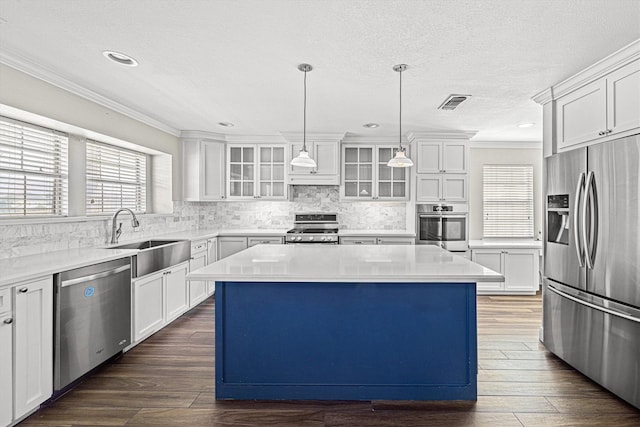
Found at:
(346, 341)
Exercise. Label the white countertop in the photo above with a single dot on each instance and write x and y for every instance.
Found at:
(336, 263)
(264, 232)
(13, 270)
(505, 244)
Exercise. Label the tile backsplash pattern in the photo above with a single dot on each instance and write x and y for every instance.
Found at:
(280, 214)
(28, 239)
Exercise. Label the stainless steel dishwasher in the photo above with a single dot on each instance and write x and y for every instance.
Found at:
(92, 316)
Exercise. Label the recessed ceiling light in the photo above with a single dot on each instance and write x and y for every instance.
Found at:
(525, 125)
(226, 124)
(370, 125)
(120, 58)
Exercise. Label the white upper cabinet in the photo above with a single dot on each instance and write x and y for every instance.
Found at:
(367, 176)
(599, 103)
(203, 168)
(441, 157)
(582, 114)
(324, 149)
(623, 99)
(603, 108)
(256, 171)
(326, 155)
(441, 187)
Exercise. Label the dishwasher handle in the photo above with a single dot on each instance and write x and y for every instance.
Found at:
(101, 275)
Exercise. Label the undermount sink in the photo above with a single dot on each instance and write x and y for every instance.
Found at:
(155, 255)
(147, 244)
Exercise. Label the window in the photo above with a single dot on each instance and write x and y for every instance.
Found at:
(33, 170)
(508, 201)
(116, 178)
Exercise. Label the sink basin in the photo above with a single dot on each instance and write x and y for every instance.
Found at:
(146, 244)
(155, 255)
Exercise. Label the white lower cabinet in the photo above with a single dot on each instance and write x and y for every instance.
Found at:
(252, 241)
(6, 358)
(519, 267)
(212, 256)
(197, 288)
(26, 338)
(229, 245)
(375, 240)
(396, 240)
(158, 299)
(358, 241)
(176, 291)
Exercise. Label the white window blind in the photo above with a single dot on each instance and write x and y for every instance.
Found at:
(116, 178)
(508, 201)
(33, 170)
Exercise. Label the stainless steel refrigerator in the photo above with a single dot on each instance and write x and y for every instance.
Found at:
(591, 288)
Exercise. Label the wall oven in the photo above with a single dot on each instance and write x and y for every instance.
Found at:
(443, 225)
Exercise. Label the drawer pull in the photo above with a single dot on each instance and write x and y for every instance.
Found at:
(8, 321)
(23, 290)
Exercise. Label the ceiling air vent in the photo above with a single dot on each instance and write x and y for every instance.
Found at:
(453, 101)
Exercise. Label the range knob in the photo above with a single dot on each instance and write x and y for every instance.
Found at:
(310, 238)
(299, 238)
(324, 239)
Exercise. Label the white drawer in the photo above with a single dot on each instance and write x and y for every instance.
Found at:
(198, 246)
(5, 300)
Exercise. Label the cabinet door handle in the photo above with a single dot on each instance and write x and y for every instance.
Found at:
(601, 133)
(314, 172)
(23, 290)
(8, 321)
(609, 130)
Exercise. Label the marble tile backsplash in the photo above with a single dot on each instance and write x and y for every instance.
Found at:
(28, 239)
(280, 214)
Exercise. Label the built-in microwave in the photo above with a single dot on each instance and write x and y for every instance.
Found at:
(443, 225)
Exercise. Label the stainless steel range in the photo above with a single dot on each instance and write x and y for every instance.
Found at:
(314, 227)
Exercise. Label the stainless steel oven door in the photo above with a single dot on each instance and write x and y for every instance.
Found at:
(447, 231)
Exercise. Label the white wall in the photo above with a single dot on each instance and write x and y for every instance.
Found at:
(27, 93)
(503, 155)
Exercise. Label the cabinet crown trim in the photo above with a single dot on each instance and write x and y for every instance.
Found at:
(201, 134)
(441, 134)
(313, 137)
(617, 59)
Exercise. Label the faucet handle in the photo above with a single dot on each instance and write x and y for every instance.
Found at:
(119, 231)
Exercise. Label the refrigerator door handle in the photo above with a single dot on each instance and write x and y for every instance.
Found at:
(594, 306)
(580, 252)
(590, 239)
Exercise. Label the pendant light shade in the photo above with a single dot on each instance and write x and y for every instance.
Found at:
(303, 158)
(400, 160)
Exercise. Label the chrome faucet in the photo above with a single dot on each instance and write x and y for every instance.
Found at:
(116, 233)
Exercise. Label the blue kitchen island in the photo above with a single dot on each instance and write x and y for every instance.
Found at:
(331, 322)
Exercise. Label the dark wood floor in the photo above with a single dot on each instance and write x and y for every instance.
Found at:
(168, 380)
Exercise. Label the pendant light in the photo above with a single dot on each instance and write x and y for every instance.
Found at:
(303, 158)
(400, 160)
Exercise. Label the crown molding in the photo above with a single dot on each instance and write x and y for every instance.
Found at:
(617, 59)
(202, 134)
(537, 145)
(441, 134)
(22, 64)
(543, 97)
(255, 139)
(298, 136)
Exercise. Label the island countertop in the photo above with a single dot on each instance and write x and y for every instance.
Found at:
(337, 263)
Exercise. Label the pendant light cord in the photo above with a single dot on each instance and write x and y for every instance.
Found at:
(304, 120)
(400, 119)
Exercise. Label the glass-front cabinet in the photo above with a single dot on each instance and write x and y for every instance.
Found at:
(367, 176)
(256, 171)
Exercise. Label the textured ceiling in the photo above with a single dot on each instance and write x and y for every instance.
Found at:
(203, 62)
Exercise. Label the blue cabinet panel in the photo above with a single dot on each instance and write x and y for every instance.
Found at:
(354, 341)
